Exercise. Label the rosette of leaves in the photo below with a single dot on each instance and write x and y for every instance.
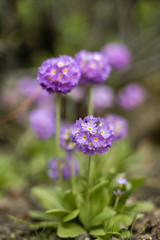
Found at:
(66, 211)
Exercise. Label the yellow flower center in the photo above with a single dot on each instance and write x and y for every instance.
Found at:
(82, 124)
(60, 64)
(84, 137)
(60, 75)
(49, 78)
(102, 132)
(53, 71)
(92, 65)
(95, 139)
(55, 81)
(65, 70)
(77, 130)
(101, 124)
(89, 128)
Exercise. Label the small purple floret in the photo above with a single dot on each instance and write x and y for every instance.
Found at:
(122, 181)
(92, 135)
(42, 123)
(65, 139)
(65, 167)
(59, 75)
(131, 96)
(118, 55)
(118, 125)
(94, 67)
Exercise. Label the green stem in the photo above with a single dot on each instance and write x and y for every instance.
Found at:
(73, 178)
(58, 119)
(90, 104)
(87, 194)
(116, 202)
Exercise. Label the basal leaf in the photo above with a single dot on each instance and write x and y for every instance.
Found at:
(69, 230)
(57, 213)
(72, 215)
(106, 213)
(97, 232)
(97, 187)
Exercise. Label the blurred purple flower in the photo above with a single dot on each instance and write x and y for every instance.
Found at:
(42, 123)
(65, 139)
(103, 97)
(27, 86)
(77, 94)
(118, 125)
(122, 181)
(66, 162)
(131, 96)
(94, 67)
(59, 75)
(118, 55)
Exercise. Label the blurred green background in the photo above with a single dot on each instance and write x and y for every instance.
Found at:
(33, 30)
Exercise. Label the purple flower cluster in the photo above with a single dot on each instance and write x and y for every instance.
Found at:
(118, 55)
(118, 125)
(131, 96)
(94, 67)
(103, 97)
(65, 139)
(92, 135)
(42, 123)
(65, 167)
(59, 75)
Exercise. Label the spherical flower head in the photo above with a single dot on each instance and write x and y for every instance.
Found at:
(92, 135)
(94, 67)
(118, 125)
(65, 139)
(118, 55)
(42, 123)
(59, 75)
(131, 96)
(52, 169)
(122, 181)
(102, 97)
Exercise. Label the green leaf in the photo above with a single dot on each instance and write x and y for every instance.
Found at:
(97, 187)
(126, 234)
(40, 216)
(82, 210)
(32, 225)
(143, 206)
(57, 213)
(72, 215)
(106, 213)
(136, 182)
(70, 200)
(118, 222)
(97, 232)
(49, 197)
(71, 230)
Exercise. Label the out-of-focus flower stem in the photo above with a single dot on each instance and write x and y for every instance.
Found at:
(90, 103)
(58, 119)
(116, 202)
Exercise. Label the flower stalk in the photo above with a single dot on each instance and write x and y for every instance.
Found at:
(58, 116)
